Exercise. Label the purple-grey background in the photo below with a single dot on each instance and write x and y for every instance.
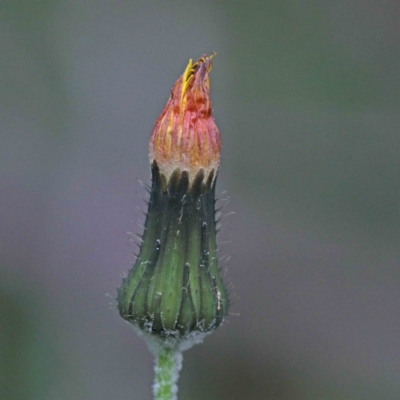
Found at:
(306, 95)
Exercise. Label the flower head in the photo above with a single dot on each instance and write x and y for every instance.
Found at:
(185, 135)
(175, 291)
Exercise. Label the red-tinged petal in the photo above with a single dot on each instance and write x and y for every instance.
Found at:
(185, 135)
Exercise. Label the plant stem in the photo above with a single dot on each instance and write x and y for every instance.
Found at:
(168, 363)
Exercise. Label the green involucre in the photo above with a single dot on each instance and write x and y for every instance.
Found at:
(175, 288)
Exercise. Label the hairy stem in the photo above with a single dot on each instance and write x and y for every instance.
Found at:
(168, 363)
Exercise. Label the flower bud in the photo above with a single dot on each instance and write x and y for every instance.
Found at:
(185, 135)
(175, 289)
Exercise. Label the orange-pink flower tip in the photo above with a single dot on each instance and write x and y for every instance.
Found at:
(185, 135)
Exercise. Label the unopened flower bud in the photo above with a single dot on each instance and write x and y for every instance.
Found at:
(185, 135)
(175, 289)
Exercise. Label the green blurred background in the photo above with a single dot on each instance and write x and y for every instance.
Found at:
(306, 95)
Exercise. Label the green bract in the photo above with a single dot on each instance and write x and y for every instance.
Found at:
(175, 290)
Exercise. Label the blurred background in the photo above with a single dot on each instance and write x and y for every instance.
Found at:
(306, 95)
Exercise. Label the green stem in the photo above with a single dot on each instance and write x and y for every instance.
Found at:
(168, 362)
